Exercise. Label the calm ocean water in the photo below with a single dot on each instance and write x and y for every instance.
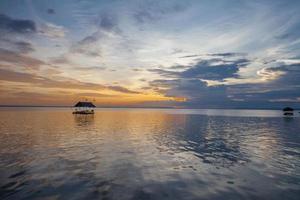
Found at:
(48, 153)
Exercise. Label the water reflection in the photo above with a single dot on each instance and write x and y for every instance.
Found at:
(208, 138)
(84, 120)
(147, 155)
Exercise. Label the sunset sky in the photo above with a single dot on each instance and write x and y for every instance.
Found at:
(183, 54)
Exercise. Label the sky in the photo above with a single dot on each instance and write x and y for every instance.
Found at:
(158, 53)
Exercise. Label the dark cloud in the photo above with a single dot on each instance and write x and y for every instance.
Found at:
(199, 95)
(197, 92)
(291, 75)
(272, 94)
(178, 67)
(206, 70)
(87, 52)
(277, 92)
(89, 39)
(122, 89)
(93, 68)
(50, 11)
(17, 46)
(19, 26)
(150, 11)
(227, 54)
(17, 59)
(166, 73)
(24, 47)
(284, 89)
(137, 70)
(87, 47)
(108, 22)
(182, 87)
(190, 56)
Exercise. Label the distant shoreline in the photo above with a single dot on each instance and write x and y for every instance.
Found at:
(49, 106)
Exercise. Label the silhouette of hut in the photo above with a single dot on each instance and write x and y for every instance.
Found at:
(288, 111)
(84, 107)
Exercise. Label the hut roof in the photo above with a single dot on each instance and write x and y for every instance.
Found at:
(84, 104)
(288, 109)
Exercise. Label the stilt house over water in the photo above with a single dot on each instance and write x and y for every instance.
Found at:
(84, 107)
(287, 111)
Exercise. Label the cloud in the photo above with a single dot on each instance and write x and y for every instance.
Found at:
(285, 86)
(50, 97)
(265, 95)
(93, 95)
(196, 45)
(52, 30)
(18, 26)
(92, 68)
(229, 54)
(108, 22)
(52, 71)
(142, 79)
(50, 11)
(191, 81)
(87, 46)
(17, 59)
(281, 86)
(58, 82)
(280, 91)
(60, 60)
(189, 56)
(137, 70)
(290, 74)
(226, 54)
(24, 27)
(206, 69)
(122, 89)
(24, 47)
(150, 11)
(296, 100)
(18, 46)
(196, 92)
(41, 81)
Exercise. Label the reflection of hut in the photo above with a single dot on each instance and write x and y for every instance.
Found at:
(83, 120)
(287, 111)
(84, 107)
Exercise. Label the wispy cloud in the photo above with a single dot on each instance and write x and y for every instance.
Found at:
(19, 26)
(224, 53)
(13, 58)
(52, 30)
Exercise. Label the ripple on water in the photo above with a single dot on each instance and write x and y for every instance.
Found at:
(122, 154)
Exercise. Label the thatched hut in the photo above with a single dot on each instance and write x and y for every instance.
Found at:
(288, 111)
(84, 107)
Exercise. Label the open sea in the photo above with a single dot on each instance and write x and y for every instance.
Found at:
(144, 154)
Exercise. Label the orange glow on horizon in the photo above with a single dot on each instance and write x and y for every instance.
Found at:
(27, 94)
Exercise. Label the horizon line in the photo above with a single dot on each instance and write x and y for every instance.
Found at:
(146, 107)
